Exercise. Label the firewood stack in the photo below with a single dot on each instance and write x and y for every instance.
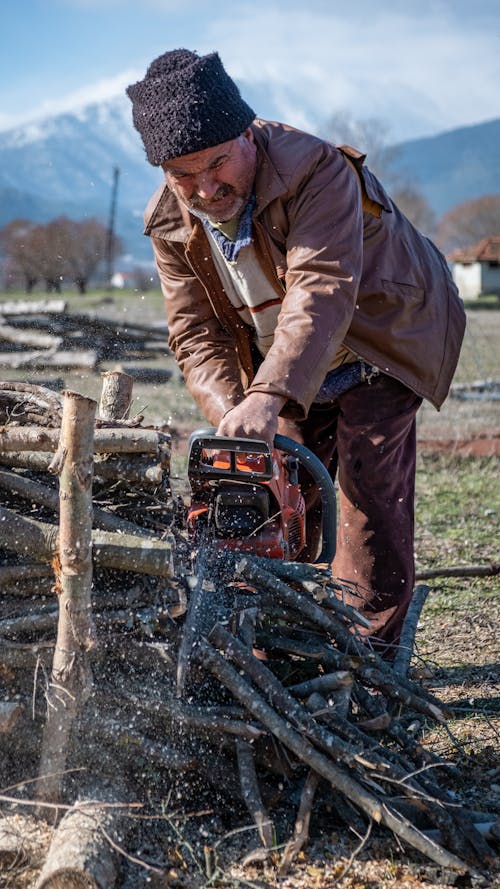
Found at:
(46, 334)
(129, 663)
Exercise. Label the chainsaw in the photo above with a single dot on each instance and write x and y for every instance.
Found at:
(245, 498)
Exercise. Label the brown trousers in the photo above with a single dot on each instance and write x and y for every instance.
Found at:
(367, 437)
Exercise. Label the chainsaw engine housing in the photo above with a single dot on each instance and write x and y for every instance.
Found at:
(245, 496)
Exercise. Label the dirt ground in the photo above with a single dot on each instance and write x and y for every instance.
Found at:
(458, 656)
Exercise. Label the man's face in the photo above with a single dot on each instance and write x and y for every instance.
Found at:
(215, 183)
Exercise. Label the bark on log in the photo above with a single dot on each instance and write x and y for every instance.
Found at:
(11, 574)
(35, 307)
(45, 496)
(116, 395)
(43, 621)
(488, 570)
(22, 656)
(71, 679)
(28, 337)
(135, 469)
(115, 440)
(85, 359)
(129, 745)
(34, 539)
(301, 831)
(21, 400)
(406, 644)
(323, 684)
(80, 856)
(250, 792)
(380, 811)
(35, 460)
(370, 668)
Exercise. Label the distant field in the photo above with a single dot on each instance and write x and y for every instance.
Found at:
(457, 419)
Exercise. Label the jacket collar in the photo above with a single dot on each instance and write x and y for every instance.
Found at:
(165, 217)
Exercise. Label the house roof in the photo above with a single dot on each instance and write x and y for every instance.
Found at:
(487, 250)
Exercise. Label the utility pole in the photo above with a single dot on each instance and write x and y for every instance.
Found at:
(111, 226)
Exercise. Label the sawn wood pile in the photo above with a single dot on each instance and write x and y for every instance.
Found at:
(132, 667)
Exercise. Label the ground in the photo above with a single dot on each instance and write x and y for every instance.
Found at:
(457, 643)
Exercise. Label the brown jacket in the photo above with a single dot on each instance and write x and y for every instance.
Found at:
(348, 266)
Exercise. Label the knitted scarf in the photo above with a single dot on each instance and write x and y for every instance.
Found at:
(228, 248)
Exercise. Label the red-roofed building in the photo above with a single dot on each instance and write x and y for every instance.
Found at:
(476, 269)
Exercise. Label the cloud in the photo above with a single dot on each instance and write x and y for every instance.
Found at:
(420, 66)
(406, 62)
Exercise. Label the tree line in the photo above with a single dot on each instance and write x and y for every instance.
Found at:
(62, 250)
(75, 252)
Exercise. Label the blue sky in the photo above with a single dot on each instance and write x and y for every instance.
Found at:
(420, 66)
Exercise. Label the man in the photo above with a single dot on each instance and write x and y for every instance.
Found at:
(299, 299)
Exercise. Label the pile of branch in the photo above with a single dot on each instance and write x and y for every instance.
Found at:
(244, 672)
(44, 334)
(482, 390)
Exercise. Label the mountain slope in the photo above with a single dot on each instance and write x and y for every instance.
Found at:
(454, 166)
(64, 165)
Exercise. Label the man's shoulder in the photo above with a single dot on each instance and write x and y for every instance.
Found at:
(288, 158)
(281, 139)
(292, 152)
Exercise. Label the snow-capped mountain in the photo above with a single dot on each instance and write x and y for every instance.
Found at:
(63, 165)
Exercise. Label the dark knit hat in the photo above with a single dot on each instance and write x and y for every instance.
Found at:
(186, 103)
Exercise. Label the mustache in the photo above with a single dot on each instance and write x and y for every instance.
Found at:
(200, 203)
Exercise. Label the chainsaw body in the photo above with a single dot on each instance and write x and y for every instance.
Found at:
(245, 496)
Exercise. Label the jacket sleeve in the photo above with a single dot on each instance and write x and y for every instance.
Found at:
(324, 255)
(204, 350)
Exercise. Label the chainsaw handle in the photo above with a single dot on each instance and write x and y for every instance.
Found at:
(323, 479)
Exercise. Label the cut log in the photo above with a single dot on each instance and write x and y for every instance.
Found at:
(45, 496)
(27, 403)
(250, 792)
(12, 574)
(379, 810)
(301, 832)
(115, 440)
(21, 656)
(116, 395)
(80, 855)
(65, 360)
(28, 337)
(158, 375)
(136, 469)
(35, 307)
(38, 540)
(488, 570)
(127, 329)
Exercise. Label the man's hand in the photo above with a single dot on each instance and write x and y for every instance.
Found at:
(254, 417)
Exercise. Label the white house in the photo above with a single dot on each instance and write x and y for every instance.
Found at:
(476, 269)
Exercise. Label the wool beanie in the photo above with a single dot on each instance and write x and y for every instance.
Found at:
(186, 103)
